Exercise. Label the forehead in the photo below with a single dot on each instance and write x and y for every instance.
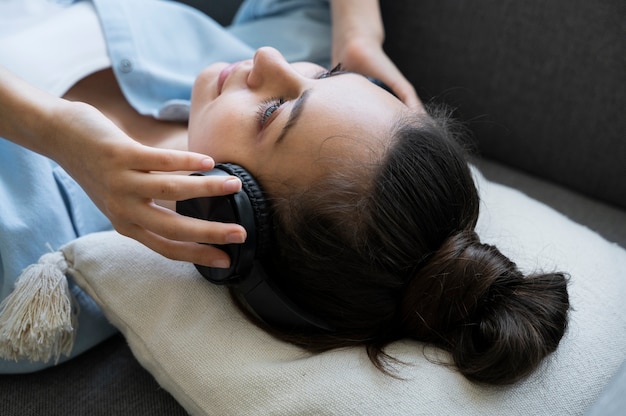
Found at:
(346, 120)
(349, 106)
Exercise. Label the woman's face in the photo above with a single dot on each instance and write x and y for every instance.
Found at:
(283, 121)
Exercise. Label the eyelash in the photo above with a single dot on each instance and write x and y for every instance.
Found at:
(267, 107)
(337, 69)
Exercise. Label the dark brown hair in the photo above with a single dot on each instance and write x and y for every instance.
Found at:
(388, 251)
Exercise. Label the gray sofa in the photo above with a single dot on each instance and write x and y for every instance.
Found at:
(541, 87)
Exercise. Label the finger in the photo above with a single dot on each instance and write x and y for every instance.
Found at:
(401, 86)
(180, 187)
(405, 91)
(410, 98)
(148, 158)
(173, 226)
(202, 254)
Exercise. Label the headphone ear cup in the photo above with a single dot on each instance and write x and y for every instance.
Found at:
(259, 204)
(247, 208)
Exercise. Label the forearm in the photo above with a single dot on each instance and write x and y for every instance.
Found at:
(29, 115)
(116, 171)
(356, 19)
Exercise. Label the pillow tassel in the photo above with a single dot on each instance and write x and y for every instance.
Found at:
(37, 319)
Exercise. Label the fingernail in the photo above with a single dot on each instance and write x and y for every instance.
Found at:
(207, 163)
(232, 185)
(222, 264)
(235, 238)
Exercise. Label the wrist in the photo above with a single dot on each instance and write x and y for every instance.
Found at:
(353, 51)
(356, 21)
(66, 128)
(362, 39)
(56, 137)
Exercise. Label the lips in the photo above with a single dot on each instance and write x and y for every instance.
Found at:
(224, 74)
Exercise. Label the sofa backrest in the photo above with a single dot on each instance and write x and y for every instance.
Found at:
(541, 85)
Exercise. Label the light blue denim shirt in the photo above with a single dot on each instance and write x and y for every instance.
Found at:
(157, 57)
(156, 48)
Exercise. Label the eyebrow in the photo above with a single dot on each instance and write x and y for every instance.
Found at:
(296, 112)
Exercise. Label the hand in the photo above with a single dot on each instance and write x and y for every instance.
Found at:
(120, 176)
(367, 57)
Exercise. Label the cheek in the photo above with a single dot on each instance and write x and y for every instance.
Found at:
(205, 84)
(224, 132)
(198, 131)
(209, 132)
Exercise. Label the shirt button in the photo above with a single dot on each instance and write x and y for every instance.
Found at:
(125, 66)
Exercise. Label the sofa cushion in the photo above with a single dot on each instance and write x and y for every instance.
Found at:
(541, 84)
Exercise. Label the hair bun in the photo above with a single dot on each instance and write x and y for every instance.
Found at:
(473, 301)
(446, 290)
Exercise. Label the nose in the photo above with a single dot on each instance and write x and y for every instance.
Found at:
(271, 70)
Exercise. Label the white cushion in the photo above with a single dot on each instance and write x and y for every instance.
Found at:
(200, 348)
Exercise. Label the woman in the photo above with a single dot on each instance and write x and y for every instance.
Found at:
(376, 209)
(374, 212)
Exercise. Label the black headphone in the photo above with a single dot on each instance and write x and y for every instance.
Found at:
(246, 275)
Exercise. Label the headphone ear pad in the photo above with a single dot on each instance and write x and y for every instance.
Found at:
(259, 204)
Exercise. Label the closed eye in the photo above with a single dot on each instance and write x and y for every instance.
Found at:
(267, 108)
